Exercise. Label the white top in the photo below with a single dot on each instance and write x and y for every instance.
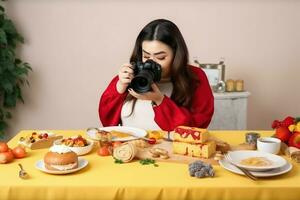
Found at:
(60, 149)
(143, 113)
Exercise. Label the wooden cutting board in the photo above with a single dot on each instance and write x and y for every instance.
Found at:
(144, 153)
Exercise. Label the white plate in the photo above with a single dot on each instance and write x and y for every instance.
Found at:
(276, 161)
(135, 132)
(274, 172)
(82, 163)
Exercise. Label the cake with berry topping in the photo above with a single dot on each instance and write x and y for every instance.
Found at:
(190, 134)
(191, 141)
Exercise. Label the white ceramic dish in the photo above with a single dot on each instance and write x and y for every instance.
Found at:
(274, 172)
(135, 132)
(269, 144)
(276, 161)
(82, 163)
(78, 150)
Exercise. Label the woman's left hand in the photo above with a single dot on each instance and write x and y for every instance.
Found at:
(155, 95)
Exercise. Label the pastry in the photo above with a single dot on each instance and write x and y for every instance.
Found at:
(60, 158)
(39, 140)
(125, 152)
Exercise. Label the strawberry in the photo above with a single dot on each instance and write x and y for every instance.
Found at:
(294, 140)
(283, 133)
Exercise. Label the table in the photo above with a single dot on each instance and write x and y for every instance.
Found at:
(103, 179)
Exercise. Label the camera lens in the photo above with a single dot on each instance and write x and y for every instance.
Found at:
(142, 82)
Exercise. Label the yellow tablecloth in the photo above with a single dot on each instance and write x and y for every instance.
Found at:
(103, 179)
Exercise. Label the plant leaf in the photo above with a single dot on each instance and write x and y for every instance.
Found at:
(3, 38)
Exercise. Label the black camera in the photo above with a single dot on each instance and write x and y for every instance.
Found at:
(144, 75)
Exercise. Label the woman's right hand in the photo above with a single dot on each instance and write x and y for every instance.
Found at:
(126, 74)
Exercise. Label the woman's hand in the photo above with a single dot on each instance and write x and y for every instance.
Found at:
(125, 74)
(155, 95)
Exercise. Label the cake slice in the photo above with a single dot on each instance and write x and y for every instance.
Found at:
(190, 134)
(205, 150)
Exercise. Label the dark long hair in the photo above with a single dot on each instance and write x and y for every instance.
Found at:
(184, 81)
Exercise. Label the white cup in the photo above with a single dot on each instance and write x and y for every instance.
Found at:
(269, 145)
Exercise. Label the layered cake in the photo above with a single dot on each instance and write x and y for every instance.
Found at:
(193, 141)
(190, 134)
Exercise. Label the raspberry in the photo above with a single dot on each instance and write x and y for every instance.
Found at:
(275, 124)
(288, 121)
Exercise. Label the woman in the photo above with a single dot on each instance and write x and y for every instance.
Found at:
(182, 96)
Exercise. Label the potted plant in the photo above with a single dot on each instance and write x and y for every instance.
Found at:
(13, 71)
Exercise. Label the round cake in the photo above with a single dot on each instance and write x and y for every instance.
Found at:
(60, 158)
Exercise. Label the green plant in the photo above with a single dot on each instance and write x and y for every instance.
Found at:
(13, 71)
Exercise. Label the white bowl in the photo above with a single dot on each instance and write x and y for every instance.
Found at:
(78, 150)
(269, 145)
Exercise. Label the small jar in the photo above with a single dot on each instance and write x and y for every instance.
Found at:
(229, 85)
(239, 85)
(251, 137)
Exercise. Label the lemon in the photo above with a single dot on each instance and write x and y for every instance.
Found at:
(297, 128)
(292, 127)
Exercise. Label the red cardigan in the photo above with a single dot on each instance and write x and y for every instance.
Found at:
(168, 115)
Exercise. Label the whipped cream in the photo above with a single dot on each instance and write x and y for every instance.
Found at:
(60, 149)
(64, 167)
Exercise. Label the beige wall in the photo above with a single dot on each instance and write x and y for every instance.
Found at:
(75, 47)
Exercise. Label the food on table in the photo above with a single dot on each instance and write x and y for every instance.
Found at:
(60, 158)
(201, 169)
(294, 140)
(159, 153)
(151, 140)
(148, 161)
(77, 144)
(190, 134)
(78, 141)
(125, 152)
(157, 134)
(108, 135)
(104, 151)
(193, 142)
(19, 152)
(116, 144)
(104, 137)
(204, 150)
(140, 143)
(286, 128)
(218, 156)
(119, 134)
(39, 140)
(256, 161)
(3, 147)
(6, 157)
(221, 146)
(283, 133)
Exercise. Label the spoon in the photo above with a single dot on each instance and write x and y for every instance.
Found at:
(22, 173)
